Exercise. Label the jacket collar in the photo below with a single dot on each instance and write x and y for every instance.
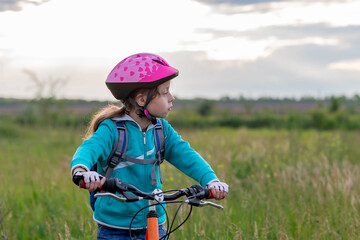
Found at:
(126, 117)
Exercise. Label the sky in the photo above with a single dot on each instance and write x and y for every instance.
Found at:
(259, 48)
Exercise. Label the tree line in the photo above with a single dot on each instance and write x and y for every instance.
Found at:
(332, 112)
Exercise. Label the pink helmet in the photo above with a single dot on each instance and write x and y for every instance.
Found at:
(142, 70)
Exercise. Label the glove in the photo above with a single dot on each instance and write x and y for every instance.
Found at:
(90, 176)
(218, 185)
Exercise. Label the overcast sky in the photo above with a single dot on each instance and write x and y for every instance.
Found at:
(253, 48)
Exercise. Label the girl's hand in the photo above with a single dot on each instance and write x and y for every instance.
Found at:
(218, 189)
(92, 179)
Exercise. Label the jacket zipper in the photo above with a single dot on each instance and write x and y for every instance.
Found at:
(144, 138)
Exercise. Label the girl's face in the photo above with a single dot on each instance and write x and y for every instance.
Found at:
(161, 105)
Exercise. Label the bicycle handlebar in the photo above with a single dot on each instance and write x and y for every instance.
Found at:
(194, 196)
(194, 193)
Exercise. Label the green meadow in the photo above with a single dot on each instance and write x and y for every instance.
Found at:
(284, 184)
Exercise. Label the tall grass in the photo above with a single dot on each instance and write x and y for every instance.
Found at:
(283, 184)
(36, 186)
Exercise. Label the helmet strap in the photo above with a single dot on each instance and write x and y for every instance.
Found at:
(141, 111)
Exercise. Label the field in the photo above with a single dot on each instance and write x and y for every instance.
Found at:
(284, 184)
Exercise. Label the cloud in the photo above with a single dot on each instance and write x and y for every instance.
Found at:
(350, 65)
(292, 71)
(288, 31)
(251, 36)
(260, 6)
(244, 49)
(17, 5)
(247, 2)
(261, 42)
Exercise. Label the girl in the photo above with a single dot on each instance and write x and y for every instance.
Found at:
(142, 83)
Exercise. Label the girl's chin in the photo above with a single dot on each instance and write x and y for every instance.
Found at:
(162, 115)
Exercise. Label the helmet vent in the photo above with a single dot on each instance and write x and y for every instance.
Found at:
(160, 62)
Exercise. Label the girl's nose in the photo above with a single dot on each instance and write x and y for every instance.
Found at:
(172, 98)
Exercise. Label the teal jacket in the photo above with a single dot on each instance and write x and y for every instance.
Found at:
(141, 145)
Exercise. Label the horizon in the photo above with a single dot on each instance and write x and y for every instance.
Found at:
(355, 97)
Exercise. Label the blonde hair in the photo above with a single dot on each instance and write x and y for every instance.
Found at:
(111, 111)
(107, 112)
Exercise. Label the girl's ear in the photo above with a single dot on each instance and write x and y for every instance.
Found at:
(141, 99)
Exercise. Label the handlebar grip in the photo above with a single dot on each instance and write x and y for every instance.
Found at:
(208, 194)
(79, 181)
(200, 192)
(109, 185)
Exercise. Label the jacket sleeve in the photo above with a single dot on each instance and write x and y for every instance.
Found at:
(97, 147)
(179, 153)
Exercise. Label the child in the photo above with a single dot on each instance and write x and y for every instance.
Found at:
(142, 83)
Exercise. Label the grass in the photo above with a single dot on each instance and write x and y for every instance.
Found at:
(283, 185)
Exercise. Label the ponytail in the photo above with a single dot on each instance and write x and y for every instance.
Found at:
(107, 112)
(112, 111)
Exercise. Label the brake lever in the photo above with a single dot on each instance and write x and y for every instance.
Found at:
(203, 203)
(119, 197)
(124, 197)
(131, 198)
(200, 203)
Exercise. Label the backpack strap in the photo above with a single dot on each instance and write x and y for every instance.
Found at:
(153, 161)
(121, 145)
(159, 140)
(118, 153)
(160, 145)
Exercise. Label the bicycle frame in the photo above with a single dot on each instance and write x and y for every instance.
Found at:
(152, 229)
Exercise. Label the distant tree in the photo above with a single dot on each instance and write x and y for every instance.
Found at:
(356, 98)
(307, 99)
(335, 103)
(206, 108)
(46, 92)
(225, 99)
(247, 104)
(47, 88)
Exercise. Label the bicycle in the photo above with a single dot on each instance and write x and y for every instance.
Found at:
(194, 195)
